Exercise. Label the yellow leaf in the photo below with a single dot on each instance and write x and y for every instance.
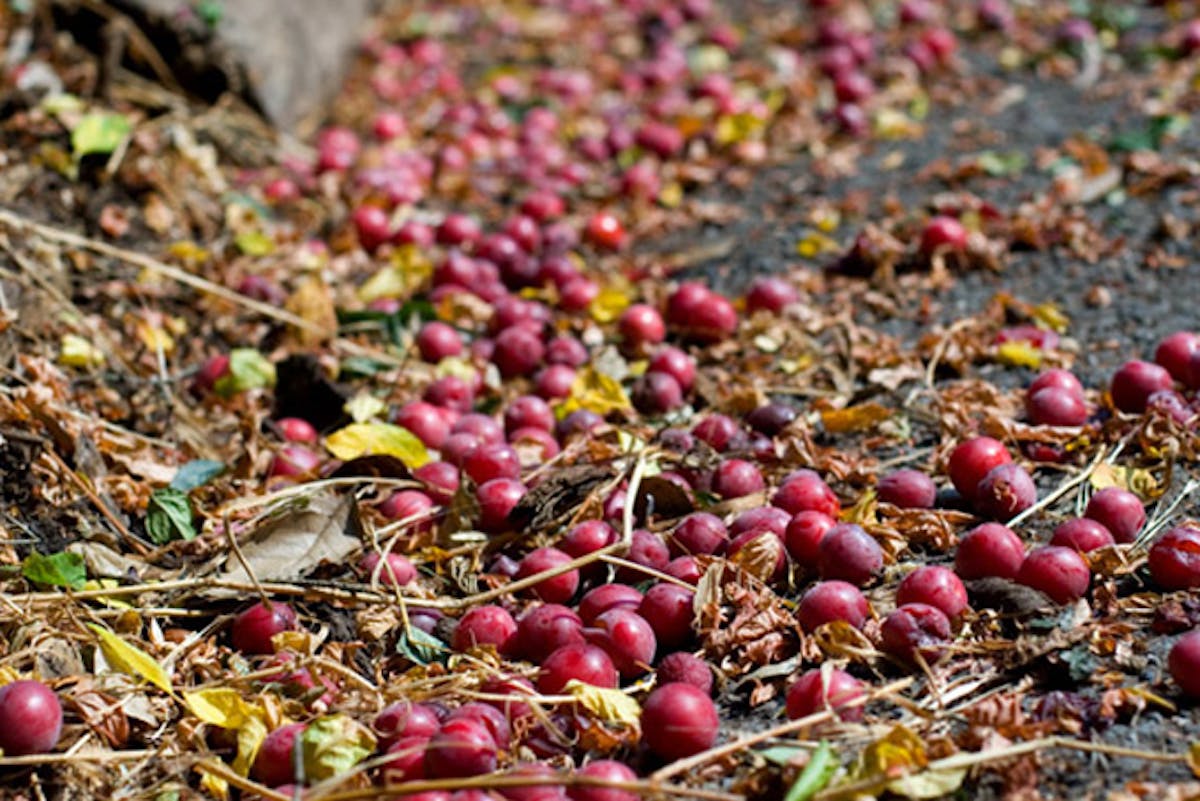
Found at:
(213, 785)
(130, 660)
(1193, 758)
(609, 304)
(107, 584)
(1019, 353)
(892, 124)
(221, 706)
(457, 367)
(363, 407)
(78, 352)
(406, 271)
(1050, 316)
(608, 704)
(671, 195)
(333, 745)
(365, 439)
(864, 511)
(853, 419)
(929, 784)
(814, 244)
(250, 736)
(595, 392)
(154, 337)
(734, 128)
(1137, 480)
(188, 252)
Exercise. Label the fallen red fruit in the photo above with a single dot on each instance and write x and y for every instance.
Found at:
(1118, 510)
(30, 718)
(989, 550)
(1175, 559)
(972, 460)
(1183, 662)
(252, 630)
(679, 720)
(1058, 572)
(816, 691)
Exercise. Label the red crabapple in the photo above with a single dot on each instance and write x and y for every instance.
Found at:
(30, 718)
(1006, 491)
(1175, 559)
(626, 637)
(805, 490)
(736, 478)
(1175, 353)
(679, 720)
(681, 666)
(486, 625)
(1119, 511)
(814, 692)
(832, 600)
(849, 553)
(546, 628)
(1082, 534)
(1053, 406)
(908, 489)
(1183, 661)
(935, 586)
(585, 663)
(556, 589)
(252, 630)
(972, 460)
(803, 537)
(1058, 572)
(989, 550)
(1134, 382)
(668, 610)
(914, 629)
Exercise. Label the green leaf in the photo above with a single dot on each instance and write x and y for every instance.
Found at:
(58, 569)
(333, 745)
(999, 165)
(169, 516)
(419, 647)
(782, 754)
(927, 784)
(362, 367)
(196, 473)
(100, 132)
(248, 369)
(210, 12)
(816, 774)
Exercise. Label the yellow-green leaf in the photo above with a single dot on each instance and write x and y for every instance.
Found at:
(99, 133)
(374, 438)
(333, 745)
(78, 352)
(1019, 353)
(609, 303)
(852, 419)
(221, 706)
(250, 736)
(595, 392)
(928, 784)
(1137, 480)
(248, 369)
(254, 243)
(608, 704)
(130, 660)
(1051, 316)
(364, 406)
(406, 271)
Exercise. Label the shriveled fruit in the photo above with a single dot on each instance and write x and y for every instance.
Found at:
(687, 668)
(914, 629)
(1006, 491)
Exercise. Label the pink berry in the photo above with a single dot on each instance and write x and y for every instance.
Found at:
(489, 461)
(1134, 382)
(803, 537)
(641, 325)
(405, 719)
(373, 226)
(681, 666)
(989, 550)
(1057, 378)
(656, 393)
(972, 460)
(679, 720)
(700, 533)
(497, 498)
(607, 597)
(627, 638)
(806, 491)
(395, 571)
(253, 628)
(427, 422)
(1183, 661)
(606, 770)
(294, 461)
(814, 692)
(848, 553)
(717, 430)
(545, 629)
(668, 610)
(943, 234)
(585, 663)
(1006, 491)
(935, 586)
(273, 765)
(605, 231)
(1053, 406)
(908, 489)
(1082, 534)
(828, 601)
(1175, 559)
(736, 478)
(437, 341)
(462, 747)
(1058, 572)
(675, 363)
(518, 352)
(1119, 511)
(558, 589)
(771, 419)
(30, 718)
(770, 294)
(486, 625)
(761, 518)
(405, 759)
(1175, 354)
(914, 629)
(295, 429)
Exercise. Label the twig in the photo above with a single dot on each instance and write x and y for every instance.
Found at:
(90, 756)
(1059, 491)
(20, 224)
(726, 749)
(491, 781)
(241, 557)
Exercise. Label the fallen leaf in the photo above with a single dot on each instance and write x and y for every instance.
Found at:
(377, 438)
(129, 659)
(610, 704)
(855, 419)
(333, 745)
(99, 132)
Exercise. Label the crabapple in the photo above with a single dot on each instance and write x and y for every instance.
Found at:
(1175, 559)
(827, 601)
(679, 720)
(908, 489)
(970, 461)
(1118, 510)
(935, 586)
(1059, 572)
(813, 692)
(849, 553)
(989, 550)
(31, 718)
(252, 630)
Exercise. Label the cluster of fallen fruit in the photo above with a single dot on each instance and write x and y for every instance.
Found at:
(508, 299)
